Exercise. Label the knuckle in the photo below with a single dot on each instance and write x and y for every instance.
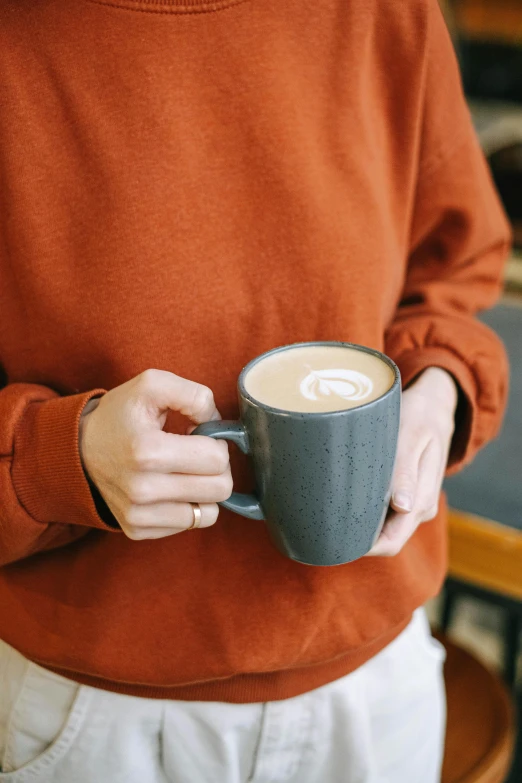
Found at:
(405, 479)
(135, 452)
(141, 454)
(147, 381)
(221, 458)
(213, 513)
(132, 519)
(224, 487)
(404, 476)
(138, 491)
(203, 399)
(135, 533)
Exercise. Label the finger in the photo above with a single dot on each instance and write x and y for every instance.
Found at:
(173, 517)
(154, 488)
(397, 530)
(431, 474)
(190, 429)
(151, 533)
(165, 452)
(166, 391)
(405, 474)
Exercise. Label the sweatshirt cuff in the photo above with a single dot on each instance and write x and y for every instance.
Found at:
(413, 362)
(47, 472)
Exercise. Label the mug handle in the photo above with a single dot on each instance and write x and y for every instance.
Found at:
(239, 502)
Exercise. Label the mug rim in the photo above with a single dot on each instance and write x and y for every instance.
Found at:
(308, 344)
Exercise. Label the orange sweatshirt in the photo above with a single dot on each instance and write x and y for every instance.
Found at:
(183, 185)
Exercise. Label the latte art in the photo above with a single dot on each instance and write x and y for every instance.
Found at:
(319, 378)
(343, 383)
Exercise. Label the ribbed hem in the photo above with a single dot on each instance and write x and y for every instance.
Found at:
(171, 6)
(244, 688)
(47, 472)
(412, 363)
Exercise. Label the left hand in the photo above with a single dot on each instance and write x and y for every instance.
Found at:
(426, 429)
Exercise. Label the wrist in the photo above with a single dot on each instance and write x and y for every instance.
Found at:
(441, 386)
(83, 423)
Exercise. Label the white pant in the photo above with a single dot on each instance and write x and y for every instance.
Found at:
(384, 723)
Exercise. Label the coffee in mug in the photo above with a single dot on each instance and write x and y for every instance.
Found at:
(320, 422)
(319, 378)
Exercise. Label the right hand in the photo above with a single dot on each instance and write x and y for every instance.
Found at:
(148, 477)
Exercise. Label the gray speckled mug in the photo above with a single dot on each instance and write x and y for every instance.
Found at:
(323, 479)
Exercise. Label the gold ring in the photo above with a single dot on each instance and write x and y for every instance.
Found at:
(196, 511)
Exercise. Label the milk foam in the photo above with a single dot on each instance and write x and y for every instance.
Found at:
(343, 383)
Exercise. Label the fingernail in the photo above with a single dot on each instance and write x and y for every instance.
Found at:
(403, 499)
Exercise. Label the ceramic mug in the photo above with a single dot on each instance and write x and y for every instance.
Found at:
(323, 480)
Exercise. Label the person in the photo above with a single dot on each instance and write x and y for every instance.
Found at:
(186, 184)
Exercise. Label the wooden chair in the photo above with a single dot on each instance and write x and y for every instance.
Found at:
(485, 561)
(480, 725)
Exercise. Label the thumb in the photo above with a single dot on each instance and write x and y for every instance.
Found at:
(190, 429)
(163, 391)
(404, 485)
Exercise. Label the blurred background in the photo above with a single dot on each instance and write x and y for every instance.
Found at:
(480, 608)
(488, 40)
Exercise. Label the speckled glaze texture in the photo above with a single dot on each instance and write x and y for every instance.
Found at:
(323, 479)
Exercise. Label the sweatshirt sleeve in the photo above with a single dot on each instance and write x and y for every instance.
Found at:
(45, 498)
(459, 241)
